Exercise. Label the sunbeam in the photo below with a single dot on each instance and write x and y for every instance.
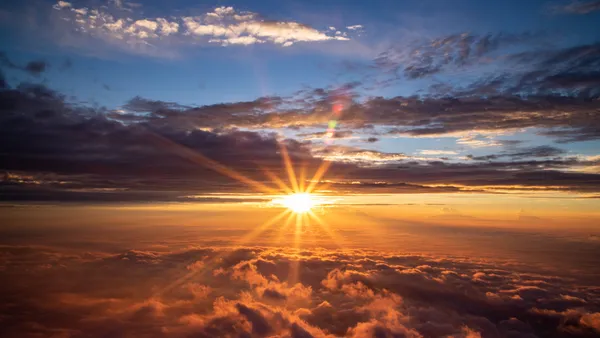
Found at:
(325, 227)
(202, 160)
(278, 181)
(318, 175)
(289, 167)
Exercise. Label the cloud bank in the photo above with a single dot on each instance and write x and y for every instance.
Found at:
(55, 150)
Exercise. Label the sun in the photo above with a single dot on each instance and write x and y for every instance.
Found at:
(298, 203)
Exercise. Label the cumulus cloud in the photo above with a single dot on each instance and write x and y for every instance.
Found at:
(223, 26)
(226, 26)
(62, 4)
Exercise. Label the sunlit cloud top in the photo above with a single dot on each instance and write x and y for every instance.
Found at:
(224, 26)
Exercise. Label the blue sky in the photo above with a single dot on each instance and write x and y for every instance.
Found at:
(206, 74)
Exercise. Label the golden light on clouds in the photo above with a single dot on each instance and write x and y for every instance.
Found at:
(297, 198)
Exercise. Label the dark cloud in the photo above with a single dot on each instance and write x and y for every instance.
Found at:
(140, 104)
(34, 68)
(3, 83)
(385, 187)
(323, 134)
(573, 80)
(545, 174)
(519, 153)
(46, 192)
(57, 151)
(539, 151)
(42, 134)
(568, 118)
(567, 135)
(483, 158)
(449, 115)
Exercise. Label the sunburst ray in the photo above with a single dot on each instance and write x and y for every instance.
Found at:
(211, 264)
(318, 175)
(262, 228)
(283, 229)
(339, 242)
(278, 181)
(200, 159)
(294, 264)
(289, 167)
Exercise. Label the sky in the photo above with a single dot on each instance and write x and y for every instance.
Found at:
(300, 168)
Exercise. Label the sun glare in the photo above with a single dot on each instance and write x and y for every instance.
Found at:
(298, 203)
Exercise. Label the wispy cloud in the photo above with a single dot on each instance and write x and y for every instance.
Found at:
(520, 153)
(357, 155)
(578, 7)
(438, 152)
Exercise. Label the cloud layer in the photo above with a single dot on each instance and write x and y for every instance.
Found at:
(262, 292)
